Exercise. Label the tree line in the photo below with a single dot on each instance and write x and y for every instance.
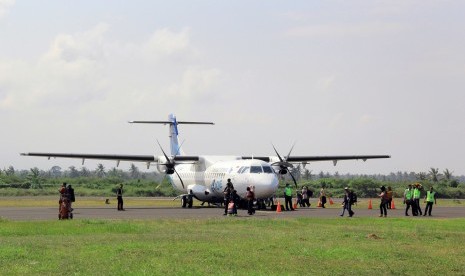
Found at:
(102, 181)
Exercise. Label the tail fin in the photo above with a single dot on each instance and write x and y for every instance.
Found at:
(173, 131)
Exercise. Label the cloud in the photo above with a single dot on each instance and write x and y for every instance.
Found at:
(5, 6)
(344, 30)
(87, 67)
(165, 42)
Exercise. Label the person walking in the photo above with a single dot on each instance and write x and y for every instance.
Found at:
(227, 195)
(430, 199)
(323, 197)
(383, 203)
(347, 202)
(288, 197)
(305, 197)
(408, 197)
(250, 195)
(119, 197)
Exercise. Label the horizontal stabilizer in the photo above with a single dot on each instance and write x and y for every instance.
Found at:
(169, 122)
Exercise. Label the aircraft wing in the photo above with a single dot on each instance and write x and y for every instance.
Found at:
(116, 157)
(306, 159)
(334, 158)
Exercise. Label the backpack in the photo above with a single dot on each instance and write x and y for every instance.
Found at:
(353, 197)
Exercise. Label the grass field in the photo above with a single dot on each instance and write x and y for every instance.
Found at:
(297, 246)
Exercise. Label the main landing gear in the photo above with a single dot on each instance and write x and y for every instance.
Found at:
(186, 201)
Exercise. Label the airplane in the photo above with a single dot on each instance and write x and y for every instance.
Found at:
(204, 177)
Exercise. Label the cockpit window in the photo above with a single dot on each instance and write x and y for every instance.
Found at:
(240, 169)
(267, 169)
(245, 170)
(256, 169)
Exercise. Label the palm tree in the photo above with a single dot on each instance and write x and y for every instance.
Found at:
(434, 174)
(100, 171)
(134, 171)
(421, 176)
(84, 172)
(447, 174)
(73, 172)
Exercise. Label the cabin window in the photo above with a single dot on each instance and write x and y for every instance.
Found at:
(256, 169)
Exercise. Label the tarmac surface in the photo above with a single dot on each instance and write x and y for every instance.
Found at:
(109, 212)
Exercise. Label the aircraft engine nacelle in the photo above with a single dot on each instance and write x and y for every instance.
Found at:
(164, 166)
(282, 171)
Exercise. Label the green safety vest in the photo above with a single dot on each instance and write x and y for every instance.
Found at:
(408, 194)
(288, 191)
(416, 193)
(430, 196)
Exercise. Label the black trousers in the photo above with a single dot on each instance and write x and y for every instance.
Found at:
(250, 209)
(120, 202)
(323, 201)
(417, 205)
(429, 207)
(288, 202)
(382, 208)
(408, 203)
(226, 202)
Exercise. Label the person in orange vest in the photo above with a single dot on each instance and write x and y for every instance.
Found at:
(430, 199)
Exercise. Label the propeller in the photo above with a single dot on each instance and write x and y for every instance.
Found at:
(283, 164)
(170, 165)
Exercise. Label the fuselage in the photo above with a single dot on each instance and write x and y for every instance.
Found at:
(207, 179)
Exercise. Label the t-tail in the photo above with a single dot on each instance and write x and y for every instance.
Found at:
(173, 131)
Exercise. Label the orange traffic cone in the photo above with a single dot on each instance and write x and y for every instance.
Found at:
(295, 204)
(331, 202)
(319, 203)
(369, 205)
(393, 206)
(278, 208)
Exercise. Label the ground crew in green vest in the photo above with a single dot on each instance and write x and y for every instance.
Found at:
(288, 197)
(430, 199)
(416, 198)
(408, 199)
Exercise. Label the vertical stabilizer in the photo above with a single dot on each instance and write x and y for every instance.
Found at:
(174, 141)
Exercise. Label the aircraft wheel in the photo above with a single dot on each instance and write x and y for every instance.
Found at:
(183, 202)
(189, 203)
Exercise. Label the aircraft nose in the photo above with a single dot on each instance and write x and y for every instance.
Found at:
(265, 185)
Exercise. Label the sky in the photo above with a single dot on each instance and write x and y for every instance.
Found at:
(333, 77)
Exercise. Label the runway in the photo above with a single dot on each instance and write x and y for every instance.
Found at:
(131, 213)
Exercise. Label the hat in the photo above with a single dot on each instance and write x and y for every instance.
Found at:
(346, 188)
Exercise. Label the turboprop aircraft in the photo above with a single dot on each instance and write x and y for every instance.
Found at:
(204, 177)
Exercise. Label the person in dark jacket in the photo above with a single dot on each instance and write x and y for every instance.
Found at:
(250, 195)
(119, 197)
